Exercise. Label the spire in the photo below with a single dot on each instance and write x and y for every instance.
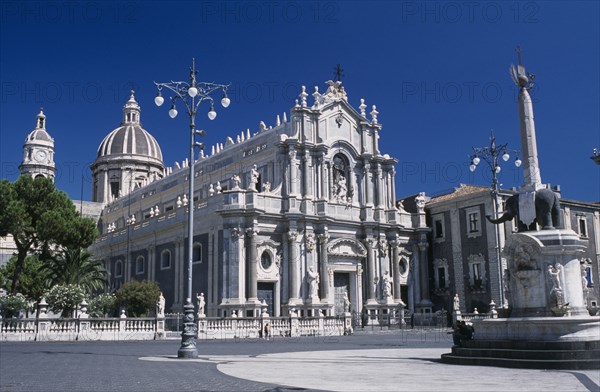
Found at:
(131, 111)
(531, 169)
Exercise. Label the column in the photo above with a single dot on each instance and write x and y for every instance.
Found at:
(151, 262)
(424, 270)
(294, 266)
(370, 242)
(330, 180)
(396, 271)
(306, 176)
(251, 262)
(324, 189)
(380, 190)
(368, 185)
(178, 261)
(393, 186)
(293, 172)
(323, 263)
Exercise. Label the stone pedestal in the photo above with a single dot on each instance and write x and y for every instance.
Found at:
(544, 276)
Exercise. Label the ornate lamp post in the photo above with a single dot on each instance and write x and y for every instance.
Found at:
(491, 156)
(191, 94)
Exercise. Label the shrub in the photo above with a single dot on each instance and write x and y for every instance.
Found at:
(138, 298)
(104, 305)
(12, 305)
(65, 298)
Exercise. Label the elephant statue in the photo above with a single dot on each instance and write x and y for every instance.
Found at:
(547, 211)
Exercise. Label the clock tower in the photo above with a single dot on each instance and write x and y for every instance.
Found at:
(38, 151)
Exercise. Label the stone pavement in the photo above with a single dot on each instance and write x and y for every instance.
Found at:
(392, 361)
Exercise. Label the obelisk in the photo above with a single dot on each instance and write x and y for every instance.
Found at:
(531, 169)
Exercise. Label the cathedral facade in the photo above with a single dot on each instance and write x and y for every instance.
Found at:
(300, 215)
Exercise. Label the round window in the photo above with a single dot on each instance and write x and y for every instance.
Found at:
(403, 267)
(265, 260)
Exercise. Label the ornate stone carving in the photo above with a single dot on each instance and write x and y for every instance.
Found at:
(251, 232)
(346, 247)
(235, 233)
(420, 201)
(292, 235)
(310, 242)
(254, 178)
(383, 247)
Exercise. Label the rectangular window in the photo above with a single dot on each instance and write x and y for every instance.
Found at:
(473, 222)
(582, 226)
(438, 228)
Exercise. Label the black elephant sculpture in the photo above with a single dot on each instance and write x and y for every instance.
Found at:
(547, 211)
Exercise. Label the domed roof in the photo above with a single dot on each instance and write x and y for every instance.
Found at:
(130, 138)
(39, 135)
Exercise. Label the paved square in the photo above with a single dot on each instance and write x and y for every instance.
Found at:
(392, 361)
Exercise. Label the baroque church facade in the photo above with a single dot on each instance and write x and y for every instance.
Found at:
(296, 216)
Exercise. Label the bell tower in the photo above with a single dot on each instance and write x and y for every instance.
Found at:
(38, 151)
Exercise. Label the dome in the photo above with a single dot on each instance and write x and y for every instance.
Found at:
(130, 139)
(39, 135)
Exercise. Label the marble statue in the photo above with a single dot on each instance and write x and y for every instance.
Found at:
(313, 282)
(201, 304)
(160, 306)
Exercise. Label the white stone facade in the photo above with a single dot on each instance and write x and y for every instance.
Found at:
(295, 215)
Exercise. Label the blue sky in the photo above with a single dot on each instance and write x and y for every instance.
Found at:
(437, 71)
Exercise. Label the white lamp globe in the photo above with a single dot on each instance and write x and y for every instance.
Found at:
(159, 100)
(225, 101)
(212, 114)
(498, 169)
(476, 161)
(518, 163)
(192, 91)
(472, 167)
(173, 112)
(505, 156)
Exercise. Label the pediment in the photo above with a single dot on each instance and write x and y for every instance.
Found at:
(346, 247)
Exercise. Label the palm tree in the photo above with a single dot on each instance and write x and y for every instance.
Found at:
(77, 267)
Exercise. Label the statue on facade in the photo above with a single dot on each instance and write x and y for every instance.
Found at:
(160, 306)
(235, 179)
(254, 178)
(313, 282)
(420, 201)
(387, 285)
(310, 242)
(201, 304)
(342, 188)
(346, 302)
(456, 304)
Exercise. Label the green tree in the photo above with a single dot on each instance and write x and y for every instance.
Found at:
(41, 220)
(76, 267)
(33, 277)
(138, 298)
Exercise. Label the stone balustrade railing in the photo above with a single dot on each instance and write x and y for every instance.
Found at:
(266, 326)
(86, 329)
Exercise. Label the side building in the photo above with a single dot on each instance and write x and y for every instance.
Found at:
(298, 216)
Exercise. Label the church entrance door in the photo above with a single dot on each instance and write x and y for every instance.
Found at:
(341, 285)
(266, 292)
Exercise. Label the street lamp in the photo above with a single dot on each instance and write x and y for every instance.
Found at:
(191, 94)
(491, 156)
